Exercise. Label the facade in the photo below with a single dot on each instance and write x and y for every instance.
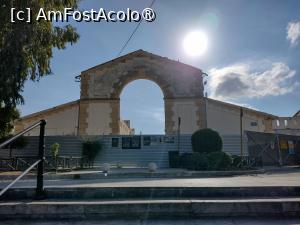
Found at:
(287, 125)
(97, 112)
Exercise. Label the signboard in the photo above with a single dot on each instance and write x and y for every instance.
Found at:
(115, 142)
(133, 142)
(168, 139)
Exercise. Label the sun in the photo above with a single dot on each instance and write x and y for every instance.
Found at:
(195, 43)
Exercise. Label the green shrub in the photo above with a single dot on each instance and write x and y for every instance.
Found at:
(200, 161)
(194, 161)
(186, 161)
(206, 141)
(90, 149)
(219, 161)
(54, 148)
(237, 161)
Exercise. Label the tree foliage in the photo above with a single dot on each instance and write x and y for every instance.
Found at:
(54, 148)
(7, 115)
(26, 49)
(90, 149)
(206, 141)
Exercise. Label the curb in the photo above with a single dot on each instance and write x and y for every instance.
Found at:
(100, 175)
(185, 174)
(151, 209)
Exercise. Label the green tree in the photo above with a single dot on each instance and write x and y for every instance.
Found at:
(90, 149)
(55, 149)
(26, 48)
(7, 115)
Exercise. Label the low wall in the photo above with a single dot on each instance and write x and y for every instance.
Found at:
(121, 149)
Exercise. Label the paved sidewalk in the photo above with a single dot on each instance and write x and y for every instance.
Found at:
(279, 178)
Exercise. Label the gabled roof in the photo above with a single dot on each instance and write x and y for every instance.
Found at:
(141, 53)
(297, 113)
(245, 108)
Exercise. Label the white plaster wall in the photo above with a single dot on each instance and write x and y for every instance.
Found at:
(187, 111)
(226, 120)
(99, 118)
(63, 122)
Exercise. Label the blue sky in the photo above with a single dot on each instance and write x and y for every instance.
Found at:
(252, 58)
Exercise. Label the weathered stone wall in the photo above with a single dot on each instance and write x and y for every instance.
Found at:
(181, 85)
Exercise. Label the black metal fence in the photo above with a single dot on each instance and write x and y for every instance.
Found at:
(274, 149)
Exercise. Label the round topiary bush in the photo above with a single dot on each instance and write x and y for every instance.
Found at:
(219, 161)
(206, 141)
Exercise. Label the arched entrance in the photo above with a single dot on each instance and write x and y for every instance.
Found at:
(142, 105)
(101, 87)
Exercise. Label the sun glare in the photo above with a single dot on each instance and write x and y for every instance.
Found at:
(195, 43)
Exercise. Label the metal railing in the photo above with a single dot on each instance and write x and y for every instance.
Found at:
(39, 163)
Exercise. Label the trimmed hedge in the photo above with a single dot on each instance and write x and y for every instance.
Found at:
(200, 161)
(219, 161)
(206, 141)
(204, 161)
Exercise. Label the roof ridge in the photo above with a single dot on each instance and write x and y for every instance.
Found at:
(48, 109)
(139, 51)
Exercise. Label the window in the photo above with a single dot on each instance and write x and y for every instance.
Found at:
(115, 142)
(253, 124)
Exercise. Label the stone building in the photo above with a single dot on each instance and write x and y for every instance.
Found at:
(97, 112)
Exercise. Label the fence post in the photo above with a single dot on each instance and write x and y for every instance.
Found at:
(278, 151)
(40, 170)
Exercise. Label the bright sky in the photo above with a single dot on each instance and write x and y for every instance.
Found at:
(252, 57)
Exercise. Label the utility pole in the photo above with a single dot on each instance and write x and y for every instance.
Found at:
(241, 130)
(178, 134)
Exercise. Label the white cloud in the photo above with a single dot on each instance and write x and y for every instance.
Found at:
(256, 79)
(293, 32)
(156, 114)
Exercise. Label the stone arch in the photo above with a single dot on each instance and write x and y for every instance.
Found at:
(102, 85)
(119, 85)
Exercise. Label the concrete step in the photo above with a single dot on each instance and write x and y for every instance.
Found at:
(80, 193)
(160, 208)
